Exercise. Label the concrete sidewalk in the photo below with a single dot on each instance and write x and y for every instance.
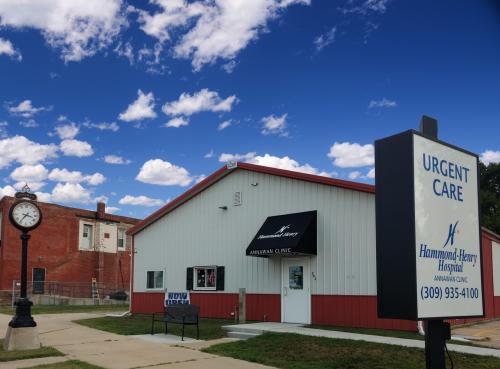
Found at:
(488, 333)
(113, 351)
(298, 329)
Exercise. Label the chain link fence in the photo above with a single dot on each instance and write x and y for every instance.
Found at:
(59, 291)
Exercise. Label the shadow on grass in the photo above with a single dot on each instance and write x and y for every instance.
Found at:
(141, 324)
(293, 351)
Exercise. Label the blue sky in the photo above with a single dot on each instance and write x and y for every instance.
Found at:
(133, 102)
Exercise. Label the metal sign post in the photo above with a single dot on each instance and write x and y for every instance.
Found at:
(436, 331)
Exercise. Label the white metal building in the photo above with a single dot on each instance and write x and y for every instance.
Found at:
(200, 242)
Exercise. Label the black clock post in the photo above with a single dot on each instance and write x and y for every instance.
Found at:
(25, 215)
(23, 317)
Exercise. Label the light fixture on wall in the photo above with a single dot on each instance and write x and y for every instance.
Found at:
(223, 207)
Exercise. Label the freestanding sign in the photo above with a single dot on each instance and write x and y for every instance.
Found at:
(429, 263)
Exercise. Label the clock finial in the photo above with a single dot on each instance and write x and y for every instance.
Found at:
(25, 193)
(26, 188)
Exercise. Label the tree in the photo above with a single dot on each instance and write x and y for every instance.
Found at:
(489, 196)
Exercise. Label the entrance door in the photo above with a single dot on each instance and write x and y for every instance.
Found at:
(38, 281)
(295, 290)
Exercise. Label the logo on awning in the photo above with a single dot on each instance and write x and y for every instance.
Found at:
(279, 233)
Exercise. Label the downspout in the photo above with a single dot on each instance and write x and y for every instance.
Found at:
(129, 312)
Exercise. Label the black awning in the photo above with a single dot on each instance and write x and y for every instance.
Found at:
(289, 234)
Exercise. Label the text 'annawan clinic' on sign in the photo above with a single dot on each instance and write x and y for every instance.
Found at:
(428, 232)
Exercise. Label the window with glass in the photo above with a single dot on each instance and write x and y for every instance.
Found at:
(121, 238)
(296, 277)
(154, 279)
(205, 278)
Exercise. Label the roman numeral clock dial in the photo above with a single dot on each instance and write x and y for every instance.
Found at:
(25, 215)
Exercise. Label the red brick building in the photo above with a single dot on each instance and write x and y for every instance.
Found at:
(70, 248)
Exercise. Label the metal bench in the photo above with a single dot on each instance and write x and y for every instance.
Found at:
(178, 314)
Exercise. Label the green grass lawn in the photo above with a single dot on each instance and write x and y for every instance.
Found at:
(58, 309)
(293, 351)
(27, 354)
(141, 324)
(70, 364)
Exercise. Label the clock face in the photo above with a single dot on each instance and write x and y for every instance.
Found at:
(26, 214)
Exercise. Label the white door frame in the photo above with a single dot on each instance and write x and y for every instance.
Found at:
(307, 262)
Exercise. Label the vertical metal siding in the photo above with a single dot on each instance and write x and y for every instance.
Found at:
(199, 233)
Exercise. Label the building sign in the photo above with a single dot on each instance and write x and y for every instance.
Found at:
(447, 236)
(428, 232)
(177, 298)
(287, 234)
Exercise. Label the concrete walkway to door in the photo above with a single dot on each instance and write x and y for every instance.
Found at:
(300, 329)
(113, 351)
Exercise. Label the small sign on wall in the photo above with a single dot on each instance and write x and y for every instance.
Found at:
(429, 261)
(177, 298)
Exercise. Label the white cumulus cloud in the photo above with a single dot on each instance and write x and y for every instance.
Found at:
(354, 175)
(140, 201)
(7, 191)
(224, 125)
(274, 125)
(76, 148)
(225, 157)
(30, 123)
(20, 149)
(160, 172)
(34, 186)
(142, 108)
(70, 193)
(26, 109)
(95, 179)
(177, 122)
(215, 29)
(490, 156)
(115, 159)
(67, 131)
(29, 173)
(8, 49)
(112, 209)
(203, 100)
(65, 175)
(268, 160)
(78, 28)
(103, 126)
(351, 155)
